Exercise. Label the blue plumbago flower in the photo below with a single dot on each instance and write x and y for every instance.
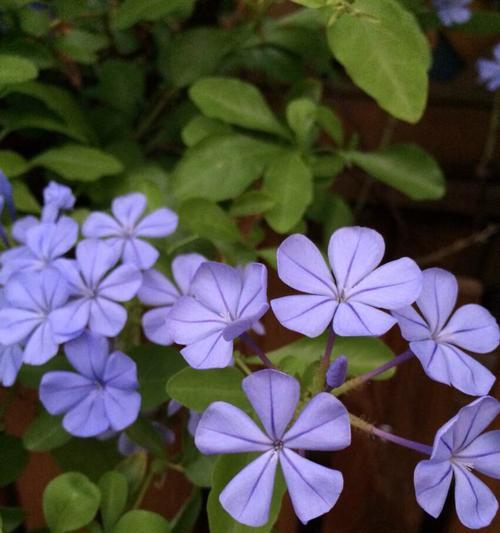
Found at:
(21, 227)
(11, 357)
(459, 448)
(489, 70)
(225, 303)
(323, 424)
(7, 195)
(56, 198)
(452, 12)
(351, 300)
(31, 300)
(96, 287)
(100, 396)
(126, 228)
(3, 234)
(337, 372)
(45, 244)
(438, 335)
(159, 292)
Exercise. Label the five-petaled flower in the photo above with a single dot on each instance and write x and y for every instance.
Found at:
(323, 424)
(461, 446)
(351, 302)
(95, 291)
(101, 396)
(125, 229)
(452, 12)
(489, 70)
(31, 301)
(437, 336)
(159, 292)
(225, 303)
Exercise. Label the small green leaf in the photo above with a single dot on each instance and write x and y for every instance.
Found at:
(197, 389)
(12, 163)
(288, 181)
(45, 433)
(24, 199)
(80, 163)
(134, 468)
(207, 219)
(381, 46)
(236, 102)
(331, 123)
(34, 21)
(11, 518)
(16, 69)
(70, 501)
(143, 433)
(199, 469)
(252, 203)
(14, 458)
(186, 518)
(226, 468)
(405, 167)
(142, 521)
(81, 45)
(132, 11)
(114, 493)
(200, 127)
(221, 167)
(301, 117)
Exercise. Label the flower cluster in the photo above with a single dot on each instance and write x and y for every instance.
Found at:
(452, 12)
(59, 293)
(489, 70)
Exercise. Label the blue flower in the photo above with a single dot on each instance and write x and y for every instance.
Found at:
(96, 287)
(100, 396)
(123, 231)
(452, 12)
(489, 70)
(31, 300)
(56, 197)
(11, 357)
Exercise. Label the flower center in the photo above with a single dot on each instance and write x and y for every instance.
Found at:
(278, 445)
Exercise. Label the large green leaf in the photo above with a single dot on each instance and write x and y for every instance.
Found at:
(81, 45)
(132, 11)
(45, 433)
(288, 181)
(226, 468)
(386, 54)
(197, 389)
(114, 493)
(70, 501)
(141, 521)
(12, 163)
(221, 167)
(363, 353)
(236, 102)
(79, 163)
(206, 219)
(14, 458)
(16, 69)
(405, 167)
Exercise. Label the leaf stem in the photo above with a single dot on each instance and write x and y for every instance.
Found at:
(320, 383)
(242, 365)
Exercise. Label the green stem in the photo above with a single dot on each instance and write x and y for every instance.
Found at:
(144, 488)
(242, 365)
(150, 118)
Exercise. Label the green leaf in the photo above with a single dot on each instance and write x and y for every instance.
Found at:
(12, 163)
(405, 167)
(14, 458)
(252, 203)
(331, 123)
(301, 117)
(288, 181)
(207, 219)
(132, 11)
(143, 433)
(16, 69)
(327, 167)
(186, 518)
(79, 163)
(236, 102)
(226, 468)
(114, 493)
(197, 389)
(386, 54)
(134, 468)
(11, 518)
(311, 3)
(142, 521)
(155, 365)
(70, 501)
(199, 469)
(221, 167)
(363, 353)
(181, 61)
(81, 45)
(24, 199)
(200, 127)
(34, 21)
(45, 433)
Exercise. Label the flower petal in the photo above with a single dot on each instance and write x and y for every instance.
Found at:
(157, 290)
(51, 240)
(21, 227)
(95, 258)
(11, 359)
(120, 372)
(155, 326)
(302, 267)
(473, 328)
(432, 480)
(106, 317)
(247, 497)
(308, 314)
(475, 503)
(139, 253)
(100, 225)
(390, 286)
(88, 418)
(413, 327)
(184, 268)
(323, 424)
(483, 454)
(61, 391)
(122, 407)
(88, 354)
(17, 324)
(128, 208)
(354, 252)
(212, 351)
(313, 489)
(121, 284)
(224, 428)
(41, 345)
(274, 395)
(253, 294)
(69, 321)
(159, 223)
(358, 319)
(24, 291)
(71, 274)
